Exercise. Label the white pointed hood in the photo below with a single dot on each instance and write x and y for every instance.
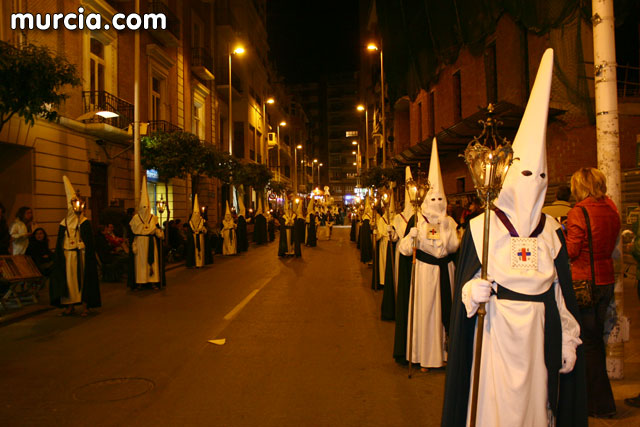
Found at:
(310, 207)
(196, 217)
(260, 210)
(299, 209)
(435, 203)
(408, 209)
(241, 210)
(144, 208)
(392, 205)
(227, 213)
(368, 212)
(522, 196)
(71, 220)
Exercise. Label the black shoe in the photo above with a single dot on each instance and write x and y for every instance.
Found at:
(633, 401)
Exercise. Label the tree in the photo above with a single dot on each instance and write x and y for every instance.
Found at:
(253, 175)
(31, 82)
(278, 187)
(379, 177)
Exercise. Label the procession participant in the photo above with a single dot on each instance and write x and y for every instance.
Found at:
(366, 248)
(331, 220)
(359, 214)
(300, 226)
(532, 370)
(197, 246)
(437, 242)
(146, 266)
(260, 226)
(243, 239)
(287, 221)
(312, 223)
(385, 265)
(402, 224)
(271, 226)
(75, 272)
(353, 217)
(230, 242)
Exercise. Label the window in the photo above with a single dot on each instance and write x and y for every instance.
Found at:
(491, 73)
(156, 99)
(97, 65)
(252, 146)
(432, 113)
(198, 119)
(457, 97)
(460, 184)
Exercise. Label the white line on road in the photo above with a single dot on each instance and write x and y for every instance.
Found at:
(233, 313)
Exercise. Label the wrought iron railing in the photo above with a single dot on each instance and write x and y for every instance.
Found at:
(162, 126)
(201, 57)
(173, 23)
(100, 100)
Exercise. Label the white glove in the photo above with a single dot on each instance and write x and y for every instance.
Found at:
(568, 359)
(413, 233)
(474, 292)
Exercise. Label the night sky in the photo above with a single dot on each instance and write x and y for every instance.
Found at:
(311, 38)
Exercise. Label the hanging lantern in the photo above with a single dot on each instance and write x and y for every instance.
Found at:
(161, 205)
(77, 203)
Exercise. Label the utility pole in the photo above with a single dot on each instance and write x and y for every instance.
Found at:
(608, 141)
(136, 112)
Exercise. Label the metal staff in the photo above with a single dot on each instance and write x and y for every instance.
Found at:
(418, 189)
(488, 161)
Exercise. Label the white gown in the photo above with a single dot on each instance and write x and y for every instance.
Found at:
(145, 273)
(72, 241)
(513, 375)
(229, 245)
(199, 232)
(428, 331)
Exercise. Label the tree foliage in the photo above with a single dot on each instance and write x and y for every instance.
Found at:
(253, 175)
(278, 187)
(379, 177)
(31, 81)
(173, 155)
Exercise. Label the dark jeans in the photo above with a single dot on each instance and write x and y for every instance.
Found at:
(599, 391)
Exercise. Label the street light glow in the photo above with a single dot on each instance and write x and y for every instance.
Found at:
(238, 50)
(270, 101)
(299, 147)
(355, 164)
(372, 46)
(283, 123)
(354, 142)
(353, 152)
(360, 107)
(315, 160)
(107, 114)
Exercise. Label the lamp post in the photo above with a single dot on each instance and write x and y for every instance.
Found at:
(295, 165)
(373, 47)
(237, 51)
(366, 131)
(319, 166)
(313, 181)
(136, 111)
(265, 134)
(283, 124)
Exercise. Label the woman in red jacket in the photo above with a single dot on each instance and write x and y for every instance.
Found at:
(589, 187)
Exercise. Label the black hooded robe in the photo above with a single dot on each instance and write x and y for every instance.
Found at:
(298, 234)
(312, 237)
(260, 230)
(241, 234)
(388, 309)
(572, 398)
(90, 282)
(366, 247)
(402, 301)
(131, 274)
(352, 233)
(271, 229)
(190, 249)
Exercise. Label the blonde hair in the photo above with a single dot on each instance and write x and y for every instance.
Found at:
(587, 182)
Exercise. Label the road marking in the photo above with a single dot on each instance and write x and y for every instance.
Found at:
(233, 313)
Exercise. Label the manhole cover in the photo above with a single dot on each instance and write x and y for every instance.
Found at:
(113, 389)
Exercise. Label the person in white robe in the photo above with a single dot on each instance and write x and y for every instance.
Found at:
(437, 241)
(146, 248)
(399, 224)
(198, 234)
(516, 386)
(230, 242)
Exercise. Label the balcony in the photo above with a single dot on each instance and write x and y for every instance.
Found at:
(171, 35)
(101, 100)
(162, 126)
(202, 63)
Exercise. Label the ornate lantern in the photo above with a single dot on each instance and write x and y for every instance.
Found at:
(77, 203)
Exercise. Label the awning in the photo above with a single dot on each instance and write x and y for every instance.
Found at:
(456, 138)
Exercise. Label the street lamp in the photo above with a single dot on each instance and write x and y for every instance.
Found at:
(283, 124)
(319, 166)
(366, 131)
(313, 181)
(239, 50)
(265, 148)
(373, 47)
(160, 206)
(295, 165)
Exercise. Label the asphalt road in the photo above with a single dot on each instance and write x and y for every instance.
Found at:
(304, 346)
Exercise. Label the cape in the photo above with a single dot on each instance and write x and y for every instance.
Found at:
(299, 229)
(190, 249)
(282, 246)
(402, 302)
(241, 234)
(366, 247)
(572, 399)
(271, 229)
(91, 285)
(352, 234)
(312, 238)
(260, 230)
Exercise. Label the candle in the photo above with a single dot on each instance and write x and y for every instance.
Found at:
(487, 174)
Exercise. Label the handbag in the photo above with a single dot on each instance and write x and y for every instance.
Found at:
(584, 288)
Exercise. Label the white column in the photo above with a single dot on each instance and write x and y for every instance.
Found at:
(608, 140)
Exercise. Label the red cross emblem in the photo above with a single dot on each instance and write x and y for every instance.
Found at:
(523, 254)
(433, 231)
